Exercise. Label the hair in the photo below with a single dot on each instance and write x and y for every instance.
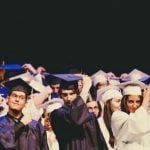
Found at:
(100, 109)
(55, 81)
(71, 87)
(19, 88)
(98, 84)
(107, 119)
(124, 103)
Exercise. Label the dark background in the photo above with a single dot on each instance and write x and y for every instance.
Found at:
(57, 39)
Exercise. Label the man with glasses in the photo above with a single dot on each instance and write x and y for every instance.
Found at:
(18, 131)
(74, 126)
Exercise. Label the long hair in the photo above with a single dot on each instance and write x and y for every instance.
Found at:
(107, 119)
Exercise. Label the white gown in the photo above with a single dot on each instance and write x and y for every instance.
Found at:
(132, 132)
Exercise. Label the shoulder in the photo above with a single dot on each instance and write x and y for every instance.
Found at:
(117, 120)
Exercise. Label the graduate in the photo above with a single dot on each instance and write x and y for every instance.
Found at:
(75, 127)
(17, 130)
(131, 125)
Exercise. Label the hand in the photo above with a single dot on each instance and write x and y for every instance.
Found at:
(146, 97)
(123, 76)
(110, 75)
(87, 82)
(41, 69)
(26, 119)
(29, 68)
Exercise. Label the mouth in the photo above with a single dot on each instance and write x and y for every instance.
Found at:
(1, 108)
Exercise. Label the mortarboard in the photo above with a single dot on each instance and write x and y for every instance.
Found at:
(52, 104)
(133, 82)
(11, 66)
(68, 77)
(101, 91)
(19, 81)
(99, 76)
(52, 80)
(37, 86)
(135, 74)
(114, 81)
(145, 79)
(98, 73)
(12, 69)
(24, 76)
(111, 93)
(132, 90)
(68, 80)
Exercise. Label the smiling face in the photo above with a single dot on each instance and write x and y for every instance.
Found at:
(16, 101)
(133, 103)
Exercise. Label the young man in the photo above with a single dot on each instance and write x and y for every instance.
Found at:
(75, 127)
(18, 131)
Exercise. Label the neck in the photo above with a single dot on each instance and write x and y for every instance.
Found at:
(16, 114)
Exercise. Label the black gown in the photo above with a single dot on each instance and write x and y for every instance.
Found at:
(15, 136)
(76, 128)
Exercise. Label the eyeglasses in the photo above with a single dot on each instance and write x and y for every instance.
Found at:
(21, 97)
(67, 94)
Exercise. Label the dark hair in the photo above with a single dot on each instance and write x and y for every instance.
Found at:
(98, 84)
(18, 88)
(100, 109)
(107, 119)
(124, 103)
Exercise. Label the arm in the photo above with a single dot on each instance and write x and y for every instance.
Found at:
(75, 115)
(87, 83)
(130, 127)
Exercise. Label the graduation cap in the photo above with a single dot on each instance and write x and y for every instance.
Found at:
(11, 66)
(111, 93)
(52, 104)
(12, 69)
(98, 77)
(132, 82)
(24, 76)
(135, 74)
(133, 87)
(145, 80)
(101, 91)
(37, 86)
(19, 82)
(68, 81)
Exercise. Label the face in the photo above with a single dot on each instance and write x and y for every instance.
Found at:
(115, 104)
(68, 96)
(133, 103)
(93, 107)
(17, 101)
(80, 85)
(55, 88)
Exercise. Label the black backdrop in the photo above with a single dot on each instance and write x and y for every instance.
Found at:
(56, 40)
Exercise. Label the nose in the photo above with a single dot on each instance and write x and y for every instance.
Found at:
(134, 105)
(69, 97)
(17, 99)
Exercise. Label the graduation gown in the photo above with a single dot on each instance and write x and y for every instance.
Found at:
(15, 136)
(76, 128)
(132, 132)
